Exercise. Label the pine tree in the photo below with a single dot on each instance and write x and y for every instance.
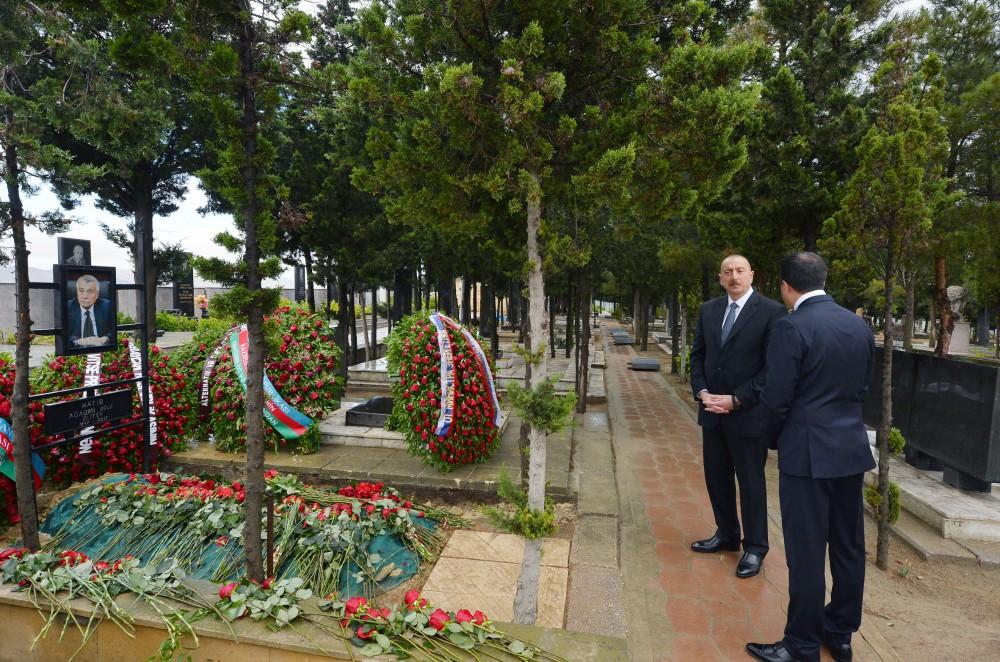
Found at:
(965, 34)
(30, 87)
(801, 150)
(240, 55)
(890, 203)
(135, 121)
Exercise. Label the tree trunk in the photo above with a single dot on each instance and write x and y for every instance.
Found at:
(329, 293)
(577, 334)
(466, 301)
(353, 326)
(636, 303)
(427, 290)
(552, 324)
(343, 325)
(932, 325)
(374, 344)
(524, 437)
(388, 308)
(570, 305)
(683, 345)
(495, 329)
(254, 483)
(515, 305)
(417, 296)
(25, 486)
(644, 346)
(310, 286)
(526, 599)
(943, 345)
(144, 233)
(364, 324)
(583, 355)
(486, 311)
(675, 333)
(885, 425)
(474, 314)
(911, 307)
(402, 295)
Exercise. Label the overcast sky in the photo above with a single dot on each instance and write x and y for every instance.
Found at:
(194, 231)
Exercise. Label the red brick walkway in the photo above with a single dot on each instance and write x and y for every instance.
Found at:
(694, 606)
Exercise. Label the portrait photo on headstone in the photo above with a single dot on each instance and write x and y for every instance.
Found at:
(88, 304)
(74, 252)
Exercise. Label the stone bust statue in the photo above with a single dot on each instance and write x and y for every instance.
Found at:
(958, 296)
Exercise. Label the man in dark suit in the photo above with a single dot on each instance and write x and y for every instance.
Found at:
(727, 375)
(818, 368)
(89, 315)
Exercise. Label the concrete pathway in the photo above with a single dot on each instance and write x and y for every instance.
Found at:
(680, 605)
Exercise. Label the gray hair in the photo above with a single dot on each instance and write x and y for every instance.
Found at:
(87, 278)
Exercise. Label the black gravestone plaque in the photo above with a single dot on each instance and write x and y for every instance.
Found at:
(82, 413)
(300, 283)
(184, 289)
(947, 409)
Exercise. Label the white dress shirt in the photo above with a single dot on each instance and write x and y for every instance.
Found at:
(808, 295)
(83, 320)
(740, 303)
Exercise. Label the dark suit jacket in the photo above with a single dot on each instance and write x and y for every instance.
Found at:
(102, 316)
(818, 369)
(738, 366)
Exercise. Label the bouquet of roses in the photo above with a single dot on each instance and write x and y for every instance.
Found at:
(52, 580)
(415, 629)
(199, 523)
(276, 600)
(156, 516)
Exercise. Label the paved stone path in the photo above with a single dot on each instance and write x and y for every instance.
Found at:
(680, 605)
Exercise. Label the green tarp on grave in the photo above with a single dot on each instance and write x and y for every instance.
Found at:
(384, 550)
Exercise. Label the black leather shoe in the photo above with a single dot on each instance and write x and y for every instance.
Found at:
(841, 652)
(770, 652)
(749, 565)
(714, 544)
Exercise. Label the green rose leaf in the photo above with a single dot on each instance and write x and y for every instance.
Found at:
(371, 649)
(462, 640)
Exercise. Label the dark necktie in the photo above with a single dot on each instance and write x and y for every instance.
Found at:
(88, 325)
(727, 326)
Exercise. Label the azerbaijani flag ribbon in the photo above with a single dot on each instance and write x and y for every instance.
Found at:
(286, 420)
(7, 456)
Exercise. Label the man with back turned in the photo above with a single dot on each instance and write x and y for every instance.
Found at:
(818, 367)
(727, 374)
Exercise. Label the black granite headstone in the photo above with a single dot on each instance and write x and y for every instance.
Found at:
(373, 413)
(300, 283)
(948, 410)
(184, 289)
